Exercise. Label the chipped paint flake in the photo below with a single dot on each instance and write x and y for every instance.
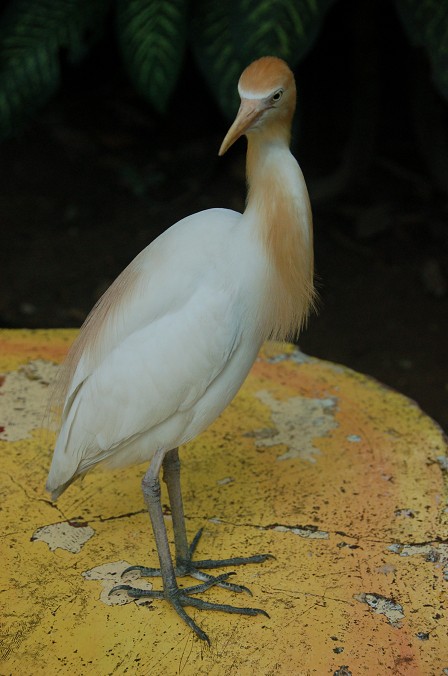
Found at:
(110, 575)
(354, 438)
(226, 480)
(64, 535)
(295, 356)
(343, 671)
(25, 397)
(408, 513)
(309, 532)
(443, 462)
(433, 552)
(381, 605)
(298, 421)
(386, 569)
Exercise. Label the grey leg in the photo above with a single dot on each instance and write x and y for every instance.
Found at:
(171, 476)
(151, 493)
(184, 552)
(171, 592)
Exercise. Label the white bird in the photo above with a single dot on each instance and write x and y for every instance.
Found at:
(171, 341)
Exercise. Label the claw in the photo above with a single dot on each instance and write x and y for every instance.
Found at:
(142, 570)
(194, 542)
(235, 561)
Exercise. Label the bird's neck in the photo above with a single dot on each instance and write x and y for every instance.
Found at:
(278, 206)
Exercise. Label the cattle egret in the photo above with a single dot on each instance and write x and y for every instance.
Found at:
(171, 341)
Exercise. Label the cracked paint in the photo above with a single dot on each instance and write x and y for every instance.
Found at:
(381, 456)
(298, 421)
(64, 535)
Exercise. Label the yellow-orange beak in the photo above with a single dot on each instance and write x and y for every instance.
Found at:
(249, 112)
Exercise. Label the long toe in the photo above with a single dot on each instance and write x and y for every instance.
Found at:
(136, 593)
(182, 598)
(230, 586)
(180, 610)
(235, 561)
(222, 607)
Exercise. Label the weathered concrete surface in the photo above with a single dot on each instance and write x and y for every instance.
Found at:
(338, 477)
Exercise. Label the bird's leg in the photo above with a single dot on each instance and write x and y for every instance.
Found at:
(178, 597)
(171, 476)
(184, 552)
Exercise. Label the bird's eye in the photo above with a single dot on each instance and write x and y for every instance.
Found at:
(277, 96)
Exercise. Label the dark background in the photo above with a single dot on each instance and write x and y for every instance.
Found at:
(97, 175)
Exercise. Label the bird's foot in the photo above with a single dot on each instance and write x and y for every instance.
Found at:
(180, 597)
(193, 568)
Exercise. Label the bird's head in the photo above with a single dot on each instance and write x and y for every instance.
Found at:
(268, 98)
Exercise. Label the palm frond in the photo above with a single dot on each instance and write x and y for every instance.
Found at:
(152, 36)
(33, 35)
(426, 23)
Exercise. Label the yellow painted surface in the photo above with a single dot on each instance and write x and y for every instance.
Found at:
(341, 479)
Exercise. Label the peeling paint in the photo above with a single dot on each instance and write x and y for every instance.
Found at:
(109, 575)
(64, 535)
(443, 462)
(351, 493)
(342, 671)
(354, 438)
(387, 569)
(226, 480)
(298, 422)
(408, 513)
(309, 532)
(25, 398)
(436, 553)
(381, 605)
(295, 356)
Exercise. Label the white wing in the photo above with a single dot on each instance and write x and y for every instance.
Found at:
(162, 349)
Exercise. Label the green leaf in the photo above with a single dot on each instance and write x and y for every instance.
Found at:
(215, 51)
(284, 28)
(152, 36)
(230, 35)
(426, 22)
(32, 37)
